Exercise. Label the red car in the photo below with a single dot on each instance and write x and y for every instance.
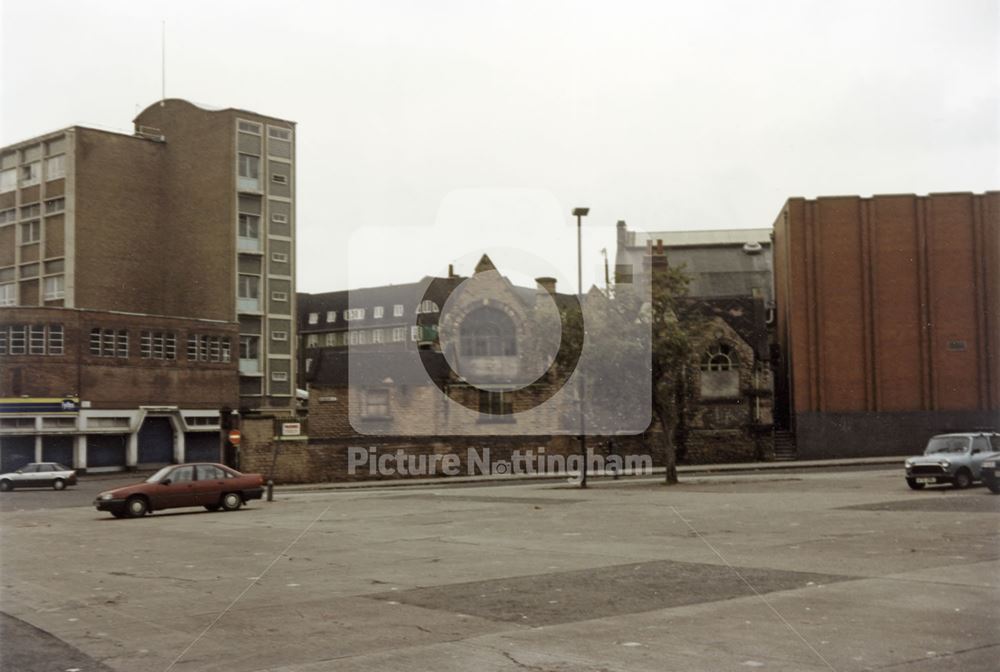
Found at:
(213, 486)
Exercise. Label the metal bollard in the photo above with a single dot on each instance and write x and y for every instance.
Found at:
(270, 490)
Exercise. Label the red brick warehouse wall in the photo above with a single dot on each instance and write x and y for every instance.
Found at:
(887, 319)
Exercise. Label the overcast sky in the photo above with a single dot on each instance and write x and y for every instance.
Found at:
(428, 131)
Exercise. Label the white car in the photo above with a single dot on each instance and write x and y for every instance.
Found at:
(39, 475)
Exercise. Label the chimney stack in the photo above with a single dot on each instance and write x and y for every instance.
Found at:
(547, 284)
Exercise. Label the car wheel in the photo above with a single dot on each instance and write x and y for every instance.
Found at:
(963, 479)
(912, 482)
(232, 501)
(136, 507)
(212, 507)
(6, 486)
(59, 484)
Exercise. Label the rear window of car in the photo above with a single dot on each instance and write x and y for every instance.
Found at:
(210, 472)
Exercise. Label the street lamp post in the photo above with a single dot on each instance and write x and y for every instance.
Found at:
(580, 213)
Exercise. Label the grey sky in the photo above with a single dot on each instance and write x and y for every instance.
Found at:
(494, 119)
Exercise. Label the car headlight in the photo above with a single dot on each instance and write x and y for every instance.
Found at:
(990, 464)
(908, 463)
(944, 463)
(106, 496)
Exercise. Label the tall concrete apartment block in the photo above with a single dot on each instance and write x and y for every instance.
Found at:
(888, 320)
(146, 282)
(229, 178)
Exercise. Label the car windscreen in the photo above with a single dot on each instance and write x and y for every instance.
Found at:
(947, 444)
(155, 478)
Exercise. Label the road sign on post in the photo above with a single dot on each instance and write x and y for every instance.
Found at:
(235, 436)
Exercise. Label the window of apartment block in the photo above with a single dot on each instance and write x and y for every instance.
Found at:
(279, 376)
(8, 216)
(279, 296)
(377, 335)
(55, 205)
(398, 334)
(36, 339)
(495, 402)
(397, 310)
(8, 294)
(309, 364)
(414, 333)
(54, 287)
(427, 306)
(249, 127)
(279, 335)
(313, 318)
(279, 218)
(55, 266)
(55, 146)
(249, 226)
(207, 348)
(55, 339)
(331, 316)
(31, 173)
(278, 178)
(279, 133)
(31, 211)
(354, 314)
(378, 312)
(29, 270)
(248, 286)
(31, 232)
(158, 345)
(331, 339)
(312, 340)
(17, 339)
(249, 347)
(249, 166)
(109, 342)
(55, 167)
(376, 404)
(8, 179)
(279, 257)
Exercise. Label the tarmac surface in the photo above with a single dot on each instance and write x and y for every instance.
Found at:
(843, 569)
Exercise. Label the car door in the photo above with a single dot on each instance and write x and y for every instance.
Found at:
(210, 484)
(177, 489)
(27, 476)
(980, 449)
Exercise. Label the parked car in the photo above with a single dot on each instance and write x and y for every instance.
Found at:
(951, 458)
(213, 486)
(990, 473)
(39, 475)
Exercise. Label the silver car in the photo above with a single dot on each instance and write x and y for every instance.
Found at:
(39, 475)
(951, 458)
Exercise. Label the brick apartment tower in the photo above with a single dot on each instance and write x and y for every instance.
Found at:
(888, 320)
(148, 279)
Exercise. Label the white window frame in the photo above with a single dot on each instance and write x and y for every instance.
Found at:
(398, 334)
(278, 178)
(313, 318)
(398, 310)
(354, 314)
(279, 257)
(251, 127)
(279, 296)
(278, 133)
(55, 167)
(279, 218)
(331, 316)
(58, 290)
(8, 294)
(279, 335)
(378, 312)
(279, 376)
